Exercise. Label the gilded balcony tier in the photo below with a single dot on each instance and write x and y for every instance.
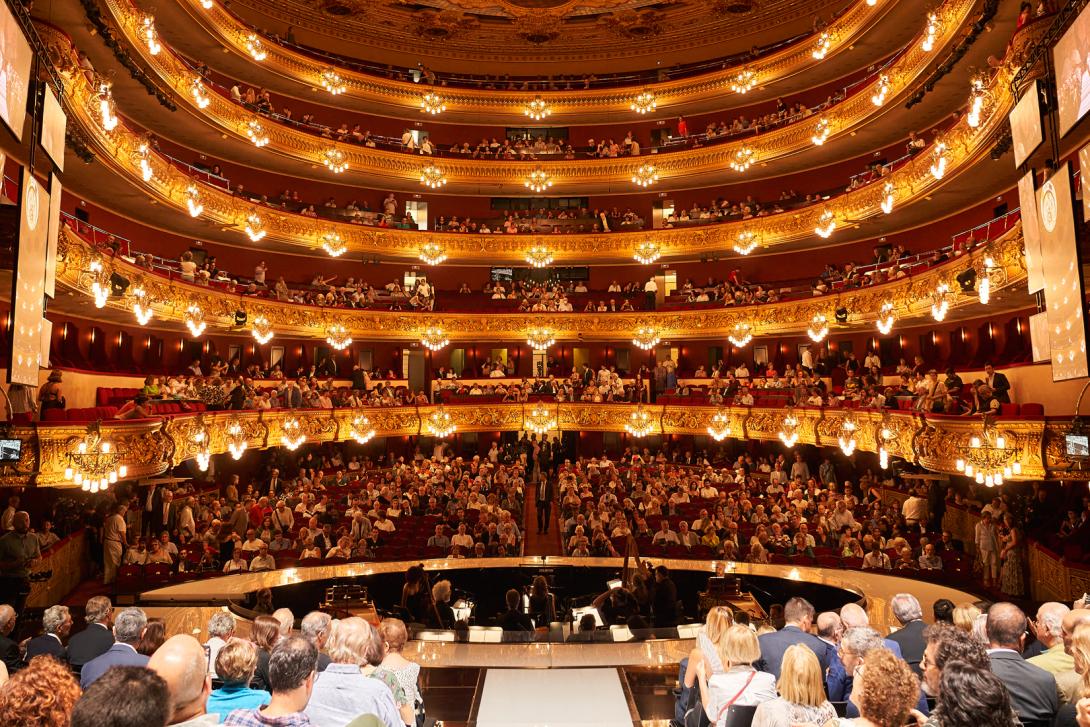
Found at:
(507, 106)
(911, 299)
(151, 447)
(368, 166)
(121, 150)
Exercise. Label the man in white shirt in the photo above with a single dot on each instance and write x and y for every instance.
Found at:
(987, 546)
(799, 469)
(262, 561)
(842, 516)
(462, 538)
(687, 537)
(651, 290)
(665, 536)
(807, 361)
(914, 509)
(384, 523)
(876, 559)
(252, 542)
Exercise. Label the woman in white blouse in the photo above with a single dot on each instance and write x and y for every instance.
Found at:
(802, 693)
(739, 684)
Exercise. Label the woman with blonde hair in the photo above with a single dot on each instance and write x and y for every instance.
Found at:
(802, 693)
(739, 684)
(964, 615)
(719, 619)
(394, 634)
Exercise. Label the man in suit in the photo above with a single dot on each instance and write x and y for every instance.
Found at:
(163, 517)
(9, 649)
(798, 617)
(97, 638)
(274, 482)
(128, 629)
(1033, 690)
(829, 629)
(56, 623)
(546, 493)
(153, 503)
(664, 599)
(909, 637)
(998, 383)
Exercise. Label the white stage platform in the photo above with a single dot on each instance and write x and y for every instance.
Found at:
(553, 698)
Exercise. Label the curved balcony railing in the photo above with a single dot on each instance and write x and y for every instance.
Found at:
(304, 67)
(910, 298)
(367, 165)
(149, 447)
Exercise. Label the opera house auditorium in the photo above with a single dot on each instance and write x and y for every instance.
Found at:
(663, 365)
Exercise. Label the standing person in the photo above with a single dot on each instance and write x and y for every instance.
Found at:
(1012, 574)
(19, 548)
(546, 493)
(50, 395)
(22, 409)
(664, 603)
(115, 540)
(651, 290)
(987, 546)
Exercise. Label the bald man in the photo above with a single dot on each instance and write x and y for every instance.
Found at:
(829, 629)
(182, 664)
(1033, 690)
(852, 616)
(1049, 629)
(286, 619)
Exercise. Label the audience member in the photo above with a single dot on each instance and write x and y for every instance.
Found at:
(125, 696)
(1033, 690)
(293, 665)
(739, 684)
(343, 691)
(56, 623)
(97, 637)
(41, 695)
(802, 693)
(906, 609)
(129, 626)
(182, 664)
(235, 664)
(799, 617)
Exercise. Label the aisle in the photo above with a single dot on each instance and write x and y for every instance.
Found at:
(534, 544)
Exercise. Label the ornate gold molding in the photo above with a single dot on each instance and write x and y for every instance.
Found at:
(910, 297)
(508, 105)
(151, 447)
(368, 166)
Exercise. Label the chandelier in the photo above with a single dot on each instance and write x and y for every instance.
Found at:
(826, 224)
(987, 458)
(292, 433)
(789, 430)
(822, 46)
(151, 37)
(200, 93)
(432, 253)
(236, 438)
(193, 200)
(744, 81)
(818, 328)
(537, 109)
(100, 283)
(539, 180)
(141, 307)
(938, 163)
(337, 337)
(332, 82)
(106, 109)
(886, 318)
(433, 339)
(941, 306)
(432, 177)
(645, 175)
(644, 103)
(885, 436)
(256, 132)
(882, 91)
(743, 334)
(255, 47)
(361, 430)
(540, 339)
(846, 440)
(639, 423)
(539, 256)
(539, 420)
(822, 129)
(719, 428)
(984, 280)
(440, 423)
(333, 243)
(262, 330)
(931, 30)
(742, 158)
(335, 159)
(194, 320)
(887, 198)
(201, 439)
(646, 338)
(95, 464)
(745, 242)
(255, 228)
(432, 103)
(207, 4)
(647, 253)
(977, 96)
(143, 154)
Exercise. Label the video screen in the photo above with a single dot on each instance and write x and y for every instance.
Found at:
(1063, 276)
(1038, 337)
(15, 59)
(10, 450)
(1071, 59)
(1031, 232)
(1025, 122)
(1084, 180)
(29, 285)
(1077, 445)
(54, 123)
(502, 274)
(53, 231)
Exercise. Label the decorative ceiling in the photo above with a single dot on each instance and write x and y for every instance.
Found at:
(667, 32)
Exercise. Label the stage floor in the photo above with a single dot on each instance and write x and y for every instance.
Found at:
(554, 698)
